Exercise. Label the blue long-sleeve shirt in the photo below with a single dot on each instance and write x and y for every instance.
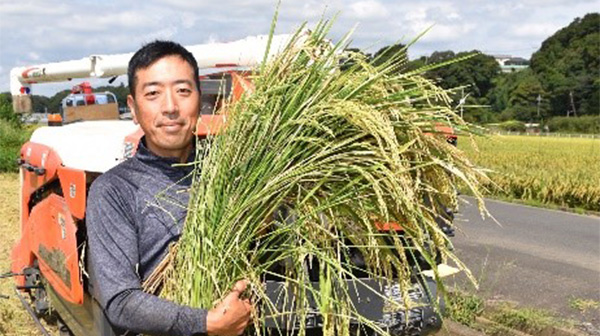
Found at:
(134, 211)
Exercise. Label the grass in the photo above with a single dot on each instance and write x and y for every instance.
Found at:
(529, 320)
(465, 308)
(560, 172)
(583, 305)
(14, 321)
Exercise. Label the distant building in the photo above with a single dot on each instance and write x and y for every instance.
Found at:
(510, 64)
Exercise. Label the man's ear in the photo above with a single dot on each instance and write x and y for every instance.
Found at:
(132, 108)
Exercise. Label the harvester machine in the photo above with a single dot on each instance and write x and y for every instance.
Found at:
(59, 163)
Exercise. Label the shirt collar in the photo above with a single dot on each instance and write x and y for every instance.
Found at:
(145, 155)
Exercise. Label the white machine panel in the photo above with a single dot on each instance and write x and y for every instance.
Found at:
(94, 146)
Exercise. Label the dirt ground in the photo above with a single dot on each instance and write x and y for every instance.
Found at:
(14, 320)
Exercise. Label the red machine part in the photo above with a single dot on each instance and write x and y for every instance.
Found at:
(86, 89)
(39, 165)
(48, 227)
(32, 73)
(447, 131)
(53, 241)
(73, 185)
(83, 87)
(391, 226)
(55, 119)
(213, 123)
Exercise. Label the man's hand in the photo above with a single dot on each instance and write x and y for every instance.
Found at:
(232, 315)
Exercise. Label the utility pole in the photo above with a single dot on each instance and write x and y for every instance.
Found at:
(540, 118)
(462, 101)
(539, 100)
(572, 104)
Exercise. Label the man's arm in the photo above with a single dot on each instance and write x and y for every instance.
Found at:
(113, 253)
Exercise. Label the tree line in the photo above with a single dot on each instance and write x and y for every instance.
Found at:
(563, 78)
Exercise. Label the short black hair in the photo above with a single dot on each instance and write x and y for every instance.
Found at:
(154, 51)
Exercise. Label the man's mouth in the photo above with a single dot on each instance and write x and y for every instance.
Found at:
(172, 127)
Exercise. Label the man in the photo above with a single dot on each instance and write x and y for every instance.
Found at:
(137, 209)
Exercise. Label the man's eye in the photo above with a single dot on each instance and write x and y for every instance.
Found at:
(185, 91)
(151, 94)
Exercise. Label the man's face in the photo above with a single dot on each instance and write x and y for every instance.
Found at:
(166, 105)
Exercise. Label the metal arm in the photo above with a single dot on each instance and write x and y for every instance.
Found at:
(248, 52)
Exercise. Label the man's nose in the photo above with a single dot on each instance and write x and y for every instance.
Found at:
(170, 104)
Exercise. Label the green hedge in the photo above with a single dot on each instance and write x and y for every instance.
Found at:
(12, 137)
(512, 126)
(584, 124)
(13, 134)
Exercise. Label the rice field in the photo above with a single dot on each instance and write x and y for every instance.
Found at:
(556, 171)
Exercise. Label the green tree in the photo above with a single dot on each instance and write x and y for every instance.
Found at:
(523, 99)
(568, 66)
(39, 103)
(515, 96)
(397, 51)
(476, 72)
(6, 110)
(55, 101)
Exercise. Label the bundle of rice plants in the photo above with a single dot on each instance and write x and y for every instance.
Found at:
(325, 146)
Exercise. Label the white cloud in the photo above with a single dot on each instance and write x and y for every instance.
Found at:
(448, 32)
(213, 38)
(369, 9)
(416, 14)
(559, 3)
(164, 34)
(534, 30)
(33, 56)
(28, 8)
(188, 20)
(91, 22)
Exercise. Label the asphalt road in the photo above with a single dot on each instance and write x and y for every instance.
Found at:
(537, 257)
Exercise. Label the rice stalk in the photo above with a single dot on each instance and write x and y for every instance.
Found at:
(309, 162)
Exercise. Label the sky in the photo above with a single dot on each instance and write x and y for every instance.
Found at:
(41, 31)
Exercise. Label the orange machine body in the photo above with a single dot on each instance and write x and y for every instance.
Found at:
(52, 202)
